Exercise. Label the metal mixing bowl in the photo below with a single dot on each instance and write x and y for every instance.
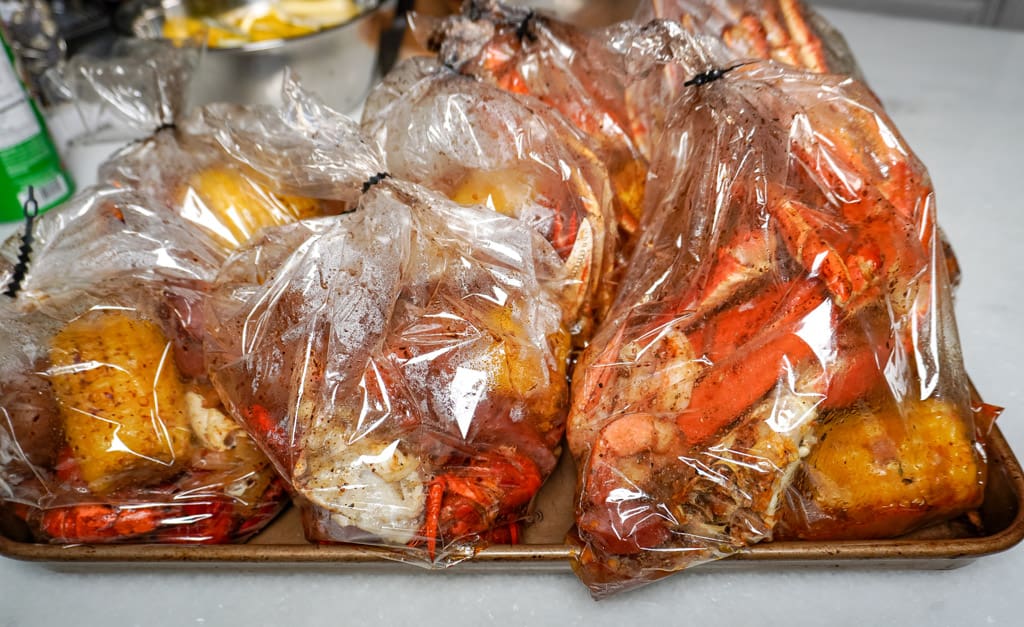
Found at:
(338, 63)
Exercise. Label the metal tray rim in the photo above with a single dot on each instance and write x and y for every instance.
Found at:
(869, 551)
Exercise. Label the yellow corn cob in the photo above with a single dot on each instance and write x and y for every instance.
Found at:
(881, 474)
(240, 206)
(121, 400)
(505, 192)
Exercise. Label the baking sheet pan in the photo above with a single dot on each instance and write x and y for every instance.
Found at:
(282, 545)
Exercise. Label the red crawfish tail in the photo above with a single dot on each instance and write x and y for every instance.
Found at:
(86, 524)
(203, 522)
(479, 499)
(206, 522)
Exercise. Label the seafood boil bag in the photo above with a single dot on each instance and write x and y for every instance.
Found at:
(110, 431)
(403, 364)
(511, 154)
(782, 360)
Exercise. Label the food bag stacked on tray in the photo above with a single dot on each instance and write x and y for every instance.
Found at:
(404, 364)
(783, 355)
(139, 94)
(390, 311)
(110, 432)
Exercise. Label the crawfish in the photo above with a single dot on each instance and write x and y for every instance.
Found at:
(485, 494)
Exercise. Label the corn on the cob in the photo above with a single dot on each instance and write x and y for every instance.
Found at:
(121, 399)
(241, 206)
(881, 474)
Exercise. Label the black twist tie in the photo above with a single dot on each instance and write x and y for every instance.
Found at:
(166, 126)
(523, 30)
(30, 210)
(711, 75)
(376, 178)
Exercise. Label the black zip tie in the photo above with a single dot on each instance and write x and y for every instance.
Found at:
(30, 210)
(376, 178)
(711, 75)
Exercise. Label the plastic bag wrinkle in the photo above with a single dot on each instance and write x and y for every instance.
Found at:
(480, 145)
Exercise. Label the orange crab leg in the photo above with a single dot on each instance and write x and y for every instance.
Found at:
(813, 249)
(811, 50)
(752, 31)
(748, 258)
(730, 387)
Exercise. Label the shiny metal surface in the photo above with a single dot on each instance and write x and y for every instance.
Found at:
(338, 63)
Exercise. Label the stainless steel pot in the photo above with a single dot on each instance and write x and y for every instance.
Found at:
(338, 63)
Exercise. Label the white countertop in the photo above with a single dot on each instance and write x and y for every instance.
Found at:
(957, 93)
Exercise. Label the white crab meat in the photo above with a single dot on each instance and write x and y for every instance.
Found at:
(367, 484)
(213, 428)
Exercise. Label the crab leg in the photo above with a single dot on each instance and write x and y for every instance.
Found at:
(808, 45)
(767, 326)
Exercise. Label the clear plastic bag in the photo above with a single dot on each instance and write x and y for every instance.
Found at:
(193, 177)
(404, 365)
(111, 431)
(139, 93)
(480, 145)
(129, 94)
(561, 65)
(784, 334)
